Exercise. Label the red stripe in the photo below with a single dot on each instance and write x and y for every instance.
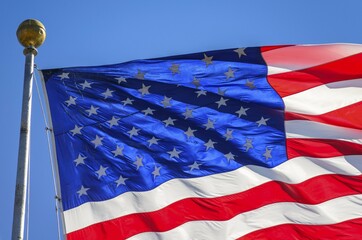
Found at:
(321, 148)
(349, 116)
(348, 230)
(296, 81)
(222, 208)
(269, 48)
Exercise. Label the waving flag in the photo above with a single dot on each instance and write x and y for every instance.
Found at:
(247, 143)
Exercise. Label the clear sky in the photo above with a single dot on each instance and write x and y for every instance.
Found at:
(89, 32)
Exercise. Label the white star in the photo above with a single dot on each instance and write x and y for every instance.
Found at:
(196, 82)
(133, 132)
(118, 151)
(127, 101)
(153, 140)
(166, 102)
(138, 162)
(71, 101)
(174, 153)
(221, 92)
(250, 84)
(101, 171)
(140, 75)
(121, 180)
(229, 73)
(76, 130)
(201, 92)
(267, 154)
(144, 90)
(195, 165)
(108, 93)
(97, 141)
(82, 191)
(242, 111)
(229, 134)
(175, 68)
(113, 122)
(156, 172)
(121, 79)
(92, 110)
(240, 52)
(190, 133)
(79, 160)
(209, 124)
(230, 156)
(262, 121)
(188, 113)
(86, 85)
(148, 111)
(209, 144)
(248, 144)
(169, 121)
(63, 75)
(207, 60)
(221, 102)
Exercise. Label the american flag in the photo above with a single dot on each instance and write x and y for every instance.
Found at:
(246, 143)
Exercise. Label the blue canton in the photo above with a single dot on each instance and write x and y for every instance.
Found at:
(135, 125)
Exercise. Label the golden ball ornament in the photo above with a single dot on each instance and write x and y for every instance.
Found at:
(31, 33)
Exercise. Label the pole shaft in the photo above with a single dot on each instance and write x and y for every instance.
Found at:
(23, 154)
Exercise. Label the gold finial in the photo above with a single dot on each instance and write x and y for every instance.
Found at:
(31, 34)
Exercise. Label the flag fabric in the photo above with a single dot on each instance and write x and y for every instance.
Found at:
(247, 143)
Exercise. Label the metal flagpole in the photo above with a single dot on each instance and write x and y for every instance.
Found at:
(31, 34)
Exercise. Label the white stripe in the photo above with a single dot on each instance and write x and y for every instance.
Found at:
(325, 98)
(275, 70)
(309, 129)
(293, 58)
(206, 187)
(330, 212)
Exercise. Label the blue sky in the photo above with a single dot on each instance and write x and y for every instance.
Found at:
(84, 33)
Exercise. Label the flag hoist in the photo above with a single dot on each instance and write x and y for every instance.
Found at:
(31, 34)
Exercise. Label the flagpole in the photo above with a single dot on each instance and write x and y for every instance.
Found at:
(31, 34)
